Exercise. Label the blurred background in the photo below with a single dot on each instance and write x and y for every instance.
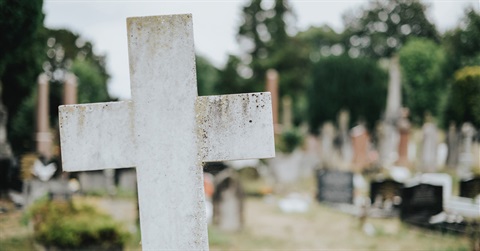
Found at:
(376, 109)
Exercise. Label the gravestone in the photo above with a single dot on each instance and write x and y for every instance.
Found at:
(404, 132)
(453, 146)
(389, 137)
(429, 147)
(361, 147)
(386, 194)
(43, 136)
(126, 179)
(343, 141)
(272, 87)
(97, 181)
(329, 154)
(227, 201)
(470, 188)
(287, 116)
(335, 186)
(466, 156)
(439, 179)
(70, 89)
(420, 203)
(166, 131)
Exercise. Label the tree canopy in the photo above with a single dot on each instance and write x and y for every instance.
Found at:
(384, 27)
(340, 82)
(424, 86)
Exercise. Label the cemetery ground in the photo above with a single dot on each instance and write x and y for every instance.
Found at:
(267, 227)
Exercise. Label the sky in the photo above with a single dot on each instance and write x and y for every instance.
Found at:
(215, 24)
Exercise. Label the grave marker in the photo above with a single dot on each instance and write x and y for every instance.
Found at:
(335, 186)
(420, 203)
(166, 132)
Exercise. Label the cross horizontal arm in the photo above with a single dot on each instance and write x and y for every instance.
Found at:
(233, 127)
(97, 136)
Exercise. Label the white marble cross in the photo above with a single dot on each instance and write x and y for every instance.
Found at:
(166, 131)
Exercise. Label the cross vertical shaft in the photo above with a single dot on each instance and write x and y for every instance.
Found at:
(163, 80)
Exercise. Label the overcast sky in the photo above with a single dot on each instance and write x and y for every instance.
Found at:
(215, 24)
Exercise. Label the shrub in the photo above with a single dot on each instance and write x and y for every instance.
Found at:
(68, 225)
(463, 101)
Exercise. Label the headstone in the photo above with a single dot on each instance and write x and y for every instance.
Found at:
(470, 188)
(44, 136)
(327, 137)
(335, 186)
(420, 203)
(389, 140)
(361, 147)
(272, 87)
(287, 113)
(343, 141)
(429, 147)
(386, 194)
(95, 181)
(126, 179)
(166, 132)
(466, 156)
(404, 131)
(453, 146)
(228, 201)
(439, 179)
(70, 89)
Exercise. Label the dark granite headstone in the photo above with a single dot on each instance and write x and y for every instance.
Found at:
(335, 186)
(420, 203)
(385, 194)
(470, 188)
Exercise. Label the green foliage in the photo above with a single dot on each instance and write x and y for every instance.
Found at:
(68, 225)
(355, 84)
(384, 27)
(229, 81)
(424, 87)
(289, 140)
(66, 51)
(463, 101)
(207, 76)
(463, 43)
(91, 84)
(21, 44)
(265, 36)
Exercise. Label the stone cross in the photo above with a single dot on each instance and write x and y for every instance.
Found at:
(166, 132)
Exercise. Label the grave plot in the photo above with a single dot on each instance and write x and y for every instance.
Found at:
(385, 196)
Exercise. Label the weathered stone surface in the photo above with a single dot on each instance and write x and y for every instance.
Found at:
(166, 132)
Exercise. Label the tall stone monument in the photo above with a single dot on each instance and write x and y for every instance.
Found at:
(43, 136)
(272, 87)
(390, 135)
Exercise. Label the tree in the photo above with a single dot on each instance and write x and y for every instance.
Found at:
(341, 82)
(463, 101)
(62, 52)
(424, 85)
(463, 43)
(207, 76)
(264, 39)
(21, 47)
(385, 26)
(66, 51)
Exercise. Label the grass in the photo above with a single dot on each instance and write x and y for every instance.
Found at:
(268, 228)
